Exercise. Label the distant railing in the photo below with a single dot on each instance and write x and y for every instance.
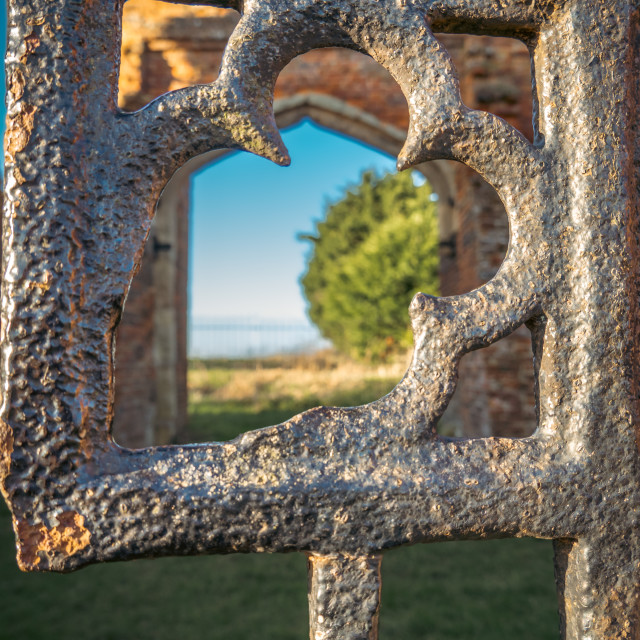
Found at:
(245, 338)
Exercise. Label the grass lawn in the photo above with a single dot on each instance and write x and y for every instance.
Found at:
(472, 590)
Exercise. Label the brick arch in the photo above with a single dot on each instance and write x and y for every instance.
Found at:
(362, 125)
(158, 374)
(168, 46)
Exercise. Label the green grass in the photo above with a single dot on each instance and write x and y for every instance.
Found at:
(472, 590)
(486, 590)
(230, 397)
(218, 420)
(230, 597)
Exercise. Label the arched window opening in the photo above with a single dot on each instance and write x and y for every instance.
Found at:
(254, 349)
(333, 87)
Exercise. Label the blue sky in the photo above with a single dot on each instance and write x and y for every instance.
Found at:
(246, 260)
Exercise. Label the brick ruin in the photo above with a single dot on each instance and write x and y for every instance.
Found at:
(168, 46)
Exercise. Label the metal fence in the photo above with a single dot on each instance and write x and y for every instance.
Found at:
(247, 338)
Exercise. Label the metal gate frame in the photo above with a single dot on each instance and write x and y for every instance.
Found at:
(342, 485)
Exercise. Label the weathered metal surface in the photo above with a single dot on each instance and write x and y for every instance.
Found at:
(82, 180)
(339, 584)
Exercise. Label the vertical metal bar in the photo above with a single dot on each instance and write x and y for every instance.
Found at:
(587, 67)
(344, 597)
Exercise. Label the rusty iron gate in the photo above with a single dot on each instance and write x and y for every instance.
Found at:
(342, 485)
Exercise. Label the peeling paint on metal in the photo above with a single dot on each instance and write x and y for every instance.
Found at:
(68, 537)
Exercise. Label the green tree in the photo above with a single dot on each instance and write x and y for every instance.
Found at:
(375, 249)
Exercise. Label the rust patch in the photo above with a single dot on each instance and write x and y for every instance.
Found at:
(43, 286)
(36, 21)
(15, 84)
(31, 43)
(68, 538)
(19, 129)
(17, 176)
(6, 449)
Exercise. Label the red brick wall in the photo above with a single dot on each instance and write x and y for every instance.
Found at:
(181, 301)
(135, 370)
(496, 384)
(169, 46)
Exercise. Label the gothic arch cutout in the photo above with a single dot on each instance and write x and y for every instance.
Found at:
(164, 416)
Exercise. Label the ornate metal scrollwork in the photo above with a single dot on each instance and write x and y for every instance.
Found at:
(343, 485)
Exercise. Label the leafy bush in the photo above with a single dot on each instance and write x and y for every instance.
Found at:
(375, 249)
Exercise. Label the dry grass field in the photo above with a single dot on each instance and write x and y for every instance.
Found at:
(227, 397)
(293, 379)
